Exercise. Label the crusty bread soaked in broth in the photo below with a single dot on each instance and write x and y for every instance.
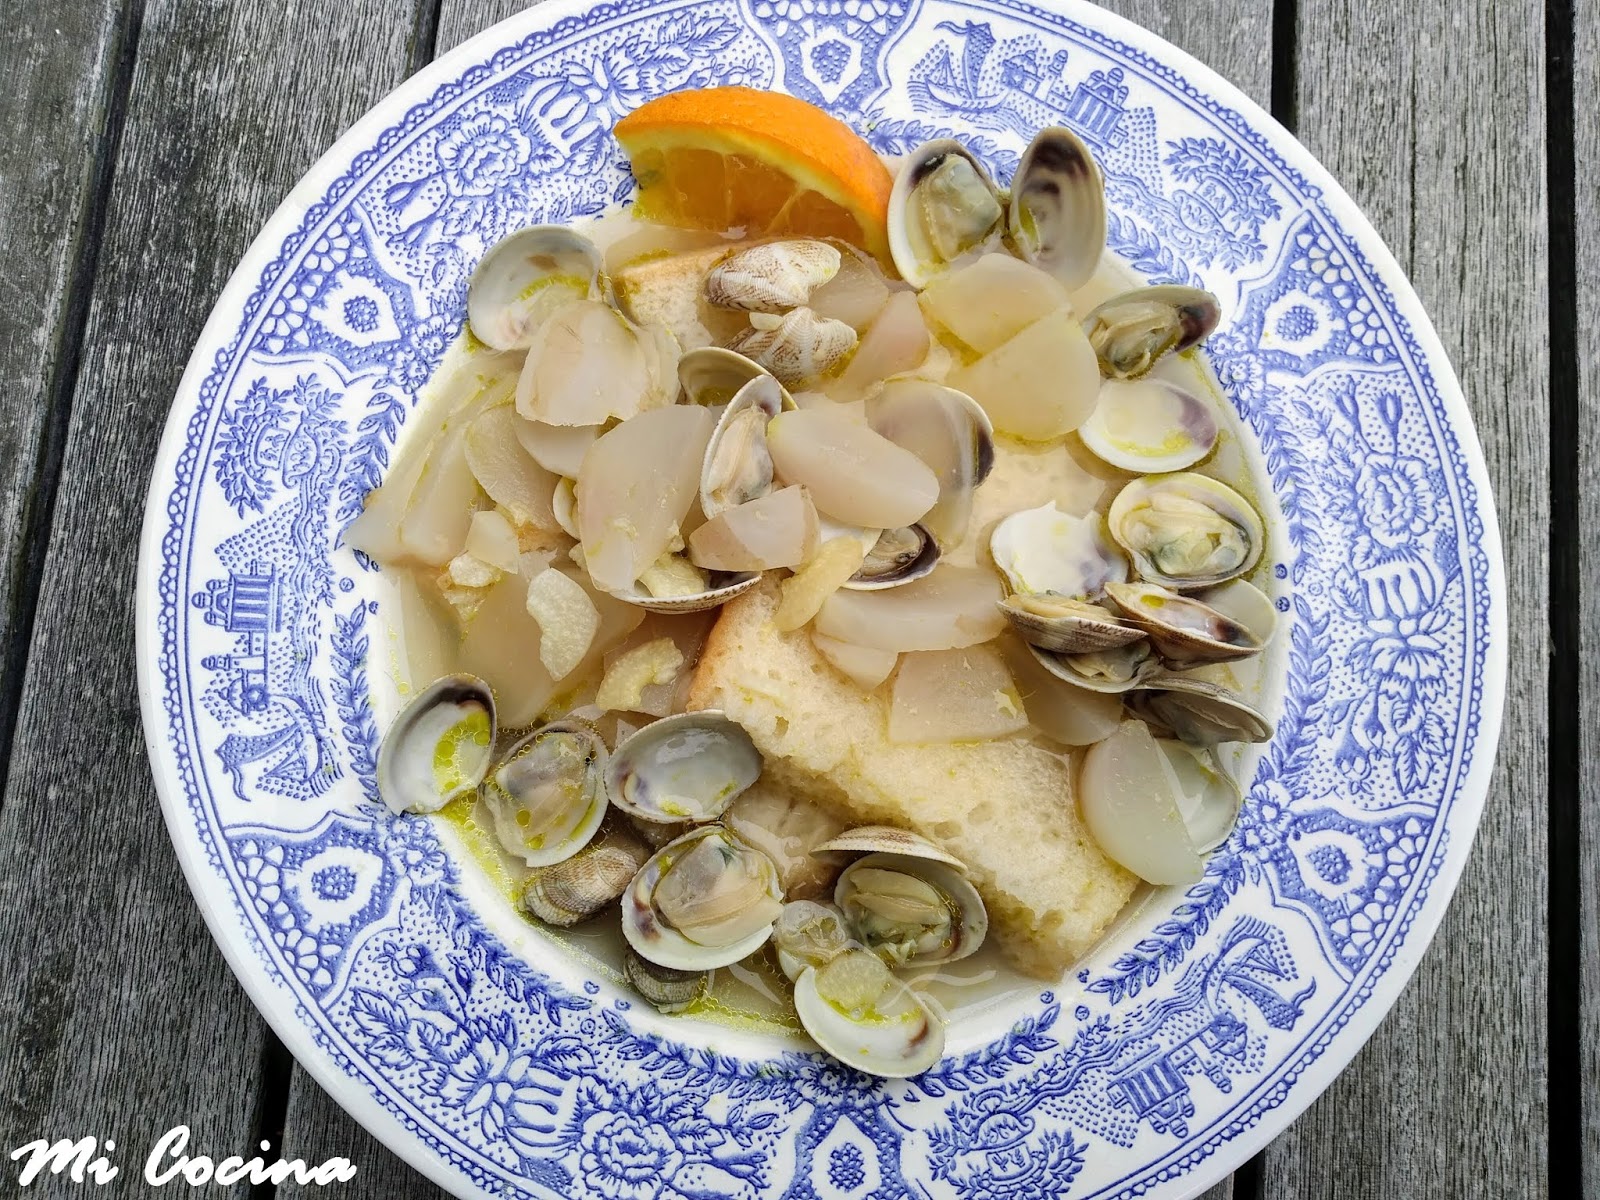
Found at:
(1005, 807)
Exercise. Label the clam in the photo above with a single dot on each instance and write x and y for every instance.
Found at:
(713, 375)
(858, 1012)
(569, 891)
(703, 901)
(1149, 426)
(688, 767)
(772, 276)
(944, 209)
(1184, 629)
(1112, 670)
(911, 910)
(799, 347)
(547, 797)
(717, 589)
(1198, 711)
(809, 934)
(526, 277)
(1057, 215)
(738, 466)
(1063, 625)
(886, 839)
(897, 556)
(949, 431)
(1186, 531)
(1046, 550)
(669, 989)
(1129, 332)
(439, 747)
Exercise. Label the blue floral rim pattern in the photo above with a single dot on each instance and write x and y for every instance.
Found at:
(503, 1072)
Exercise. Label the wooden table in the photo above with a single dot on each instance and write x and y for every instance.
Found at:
(143, 143)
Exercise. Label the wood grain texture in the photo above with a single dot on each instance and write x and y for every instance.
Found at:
(1586, 71)
(316, 1129)
(121, 1018)
(58, 62)
(1232, 37)
(1431, 114)
(463, 19)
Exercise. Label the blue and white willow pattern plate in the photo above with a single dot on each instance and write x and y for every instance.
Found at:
(501, 1068)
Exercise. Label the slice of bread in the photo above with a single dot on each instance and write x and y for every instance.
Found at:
(1004, 807)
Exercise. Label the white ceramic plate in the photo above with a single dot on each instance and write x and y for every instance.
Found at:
(501, 1068)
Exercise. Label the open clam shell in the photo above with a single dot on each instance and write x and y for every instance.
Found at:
(547, 797)
(737, 466)
(527, 276)
(809, 934)
(1186, 531)
(1132, 331)
(1198, 711)
(688, 767)
(1046, 550)
(859, 1013)
(1062, 625)
(943, 209)
(911, 910)
(1185, 630)
(713, 375)
(703, 901)
(1113, 670)
(440, 746)
(887, 839)
(897, 556)
(1057, 213)
(1149, 426)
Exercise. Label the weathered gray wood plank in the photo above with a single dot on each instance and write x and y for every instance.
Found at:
(59, 64)
(1431, 114)
(316, 1129)
(128, 1020)
(1232, 37)
(1586, 71)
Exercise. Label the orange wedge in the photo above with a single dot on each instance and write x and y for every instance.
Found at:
(722, 158)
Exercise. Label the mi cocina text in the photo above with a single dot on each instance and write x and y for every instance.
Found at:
(90, 1161)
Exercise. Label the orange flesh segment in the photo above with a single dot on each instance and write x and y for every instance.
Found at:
(724, 158)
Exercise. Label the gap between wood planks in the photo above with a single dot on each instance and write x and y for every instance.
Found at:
(1249, 1180)
(1563, 761)
(39, 509)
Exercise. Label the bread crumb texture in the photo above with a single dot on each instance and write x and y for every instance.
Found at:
(1004, 807)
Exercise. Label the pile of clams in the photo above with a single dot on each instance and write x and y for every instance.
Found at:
(795, 407)
(639, 828)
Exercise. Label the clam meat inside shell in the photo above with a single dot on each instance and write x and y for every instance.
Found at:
(703, 901)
